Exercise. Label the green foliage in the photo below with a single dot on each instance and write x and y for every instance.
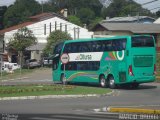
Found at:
(74, 6)
(158, 13)
(54, 38)
(85, 10)
(75, 20)
(49, 7)
(95, 22)
(22, 39)
(86, 15)
(2, 11)
(20, 11)
(124, 8)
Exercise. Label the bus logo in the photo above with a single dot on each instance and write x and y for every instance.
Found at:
(116, 55)
(84, 57)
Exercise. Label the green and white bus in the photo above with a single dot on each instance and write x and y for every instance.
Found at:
(109, 62)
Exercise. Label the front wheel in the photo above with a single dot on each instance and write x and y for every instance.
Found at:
(134, 85)
(102, 81)
(111, 82)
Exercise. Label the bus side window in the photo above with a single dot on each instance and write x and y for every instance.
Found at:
(108, 46)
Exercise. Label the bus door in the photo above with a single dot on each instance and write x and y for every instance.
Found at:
(56, 69)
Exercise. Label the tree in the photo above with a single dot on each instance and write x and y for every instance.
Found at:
(2, 11)
(124, 8)
(158, 13)
(54, 38)
(86, 15)
(75, 20)
(20, 11)
(74, 6)
(95, 22)
(22, 39)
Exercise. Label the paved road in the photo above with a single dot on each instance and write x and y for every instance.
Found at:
(79, 108)
(146, 95)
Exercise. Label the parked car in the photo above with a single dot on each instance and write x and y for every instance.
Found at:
(46, 61)
(7, 66)
(31, 63)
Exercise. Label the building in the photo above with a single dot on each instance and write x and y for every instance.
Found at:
(130, 19)
(105, 29)
(157, 21)
(42, 25)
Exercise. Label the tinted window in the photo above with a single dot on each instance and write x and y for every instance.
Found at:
(55, 63)
(142, 41)
(83, 66)
(58, 48)
(96, 46)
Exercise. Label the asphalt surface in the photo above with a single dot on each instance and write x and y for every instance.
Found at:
(146, 96)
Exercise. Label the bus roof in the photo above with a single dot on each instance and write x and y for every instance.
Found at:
(106, 38)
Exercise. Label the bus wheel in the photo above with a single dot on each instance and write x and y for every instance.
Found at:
(63, 81)
(134, 85)
(102, 81)
(111, 82)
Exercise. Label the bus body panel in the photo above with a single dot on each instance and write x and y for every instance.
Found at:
(142, 59)
(116, 62)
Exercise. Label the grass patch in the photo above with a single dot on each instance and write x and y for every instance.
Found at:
(37, 90)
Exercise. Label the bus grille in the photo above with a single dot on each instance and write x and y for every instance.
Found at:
(143, 61)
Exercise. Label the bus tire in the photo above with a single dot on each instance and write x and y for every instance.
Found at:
(111, 82)
(63, 81)
(102, 81)
(134, 85)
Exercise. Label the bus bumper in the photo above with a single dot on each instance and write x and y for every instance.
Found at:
(144, 79)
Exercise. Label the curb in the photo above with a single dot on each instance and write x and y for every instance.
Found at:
(54, 96)
(133, 110)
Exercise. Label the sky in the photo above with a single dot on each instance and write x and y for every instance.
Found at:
(149, 6)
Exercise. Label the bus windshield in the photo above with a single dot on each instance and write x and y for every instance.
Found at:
(58, 48)
(142, 41)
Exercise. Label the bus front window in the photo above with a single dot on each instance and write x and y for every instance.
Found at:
(55, 63)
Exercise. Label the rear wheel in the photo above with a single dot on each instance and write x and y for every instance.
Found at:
(111, 82)
(102, 81)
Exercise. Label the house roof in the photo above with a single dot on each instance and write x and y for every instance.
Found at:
(33, 19)
(41, 15)
(15, 27)
(127, 19)
(157, 21)
(132, 27)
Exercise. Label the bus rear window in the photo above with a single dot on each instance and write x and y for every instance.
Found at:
(142, 41)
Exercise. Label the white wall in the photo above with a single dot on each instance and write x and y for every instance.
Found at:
(38, 30)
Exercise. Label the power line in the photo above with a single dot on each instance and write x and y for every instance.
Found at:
(148, 2)
(154, 8)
